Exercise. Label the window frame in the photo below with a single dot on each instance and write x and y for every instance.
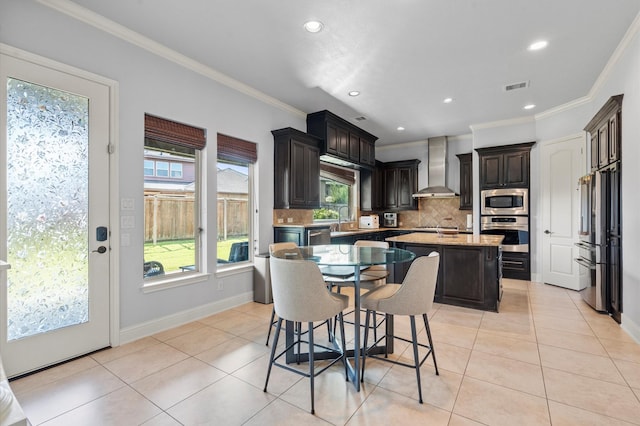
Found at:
(354, 194)
(239, 151)
(171, 170)
(250, 218)
(157, 164)
(153, 168)
(161, 133)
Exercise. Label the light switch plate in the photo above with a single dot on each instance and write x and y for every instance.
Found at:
(127, 204)
(127, 222)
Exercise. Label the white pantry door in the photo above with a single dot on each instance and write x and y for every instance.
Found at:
(562, 163)
(54, 213)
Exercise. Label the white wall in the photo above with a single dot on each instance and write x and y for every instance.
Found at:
(148, 83)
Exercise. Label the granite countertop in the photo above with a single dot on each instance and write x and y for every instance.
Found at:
(409, 229)
(357, 231)
(453, 240)
(301, 225)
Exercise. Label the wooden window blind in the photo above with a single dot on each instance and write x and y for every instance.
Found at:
(338, 174)
(234, 149)
(167, 131)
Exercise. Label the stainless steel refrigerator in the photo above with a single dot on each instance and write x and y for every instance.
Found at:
(600, 256)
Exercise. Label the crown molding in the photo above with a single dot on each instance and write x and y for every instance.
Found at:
(632, 31)
(108, 26)
(564, 107)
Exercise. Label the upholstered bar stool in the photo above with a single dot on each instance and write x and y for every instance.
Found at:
(413, 297)
(272, 248)
(293, 247)
(301, 295)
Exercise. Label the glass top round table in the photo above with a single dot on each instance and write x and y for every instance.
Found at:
(347, 255)
(346, 261)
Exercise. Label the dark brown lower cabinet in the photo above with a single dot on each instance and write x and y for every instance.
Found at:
(516, 266)
(469, 276)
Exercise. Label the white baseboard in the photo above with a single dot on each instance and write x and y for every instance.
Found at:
(149, 328)
(631, 328)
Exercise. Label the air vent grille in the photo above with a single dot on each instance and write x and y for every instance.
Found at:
(516, 86)
(361, 118)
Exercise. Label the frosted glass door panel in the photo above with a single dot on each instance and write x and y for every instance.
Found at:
(47, 209)
(55, 140)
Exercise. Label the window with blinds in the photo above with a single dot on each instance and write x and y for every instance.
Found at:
(172, 211)
(235, 199)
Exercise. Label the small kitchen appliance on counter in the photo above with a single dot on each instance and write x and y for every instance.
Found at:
(390, 220)
(369, 222)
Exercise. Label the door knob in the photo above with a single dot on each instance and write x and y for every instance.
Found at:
(101, 249)
(546, 231)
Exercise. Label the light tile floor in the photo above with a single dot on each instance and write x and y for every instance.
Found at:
(546, 358)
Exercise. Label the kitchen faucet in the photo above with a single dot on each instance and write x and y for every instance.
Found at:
(339, 215)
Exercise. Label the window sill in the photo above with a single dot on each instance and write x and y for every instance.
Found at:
(172, 281)
(226, 271)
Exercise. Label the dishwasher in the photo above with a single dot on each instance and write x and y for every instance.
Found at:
(317, 236)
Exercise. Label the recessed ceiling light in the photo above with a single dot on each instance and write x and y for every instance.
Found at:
(530, 106)
(313, 26)
(447, 100)
(354, 93)
(400, 129)
(538, 45)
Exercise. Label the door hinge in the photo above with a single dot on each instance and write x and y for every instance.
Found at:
(111, 148)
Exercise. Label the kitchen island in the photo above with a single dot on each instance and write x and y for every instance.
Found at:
(470, 273)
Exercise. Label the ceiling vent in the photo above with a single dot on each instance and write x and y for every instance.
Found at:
(361, 118)
(516, 86)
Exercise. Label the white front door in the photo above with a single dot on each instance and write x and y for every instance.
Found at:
(54, 215)
(562, 164)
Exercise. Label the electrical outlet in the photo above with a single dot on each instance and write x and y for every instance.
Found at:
(280, 220)
(351, 225)
(220, 285)
(289, 220)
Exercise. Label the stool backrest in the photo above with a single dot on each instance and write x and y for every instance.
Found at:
(299, 291)
(415, 296)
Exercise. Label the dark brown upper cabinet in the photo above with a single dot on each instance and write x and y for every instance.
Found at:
(466, 181)
(505, 166)
(400, 182)
(342, 140)
(604, 130)
(371, 188)
(296, 170)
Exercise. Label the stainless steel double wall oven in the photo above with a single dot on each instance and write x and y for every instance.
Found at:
(505, 212)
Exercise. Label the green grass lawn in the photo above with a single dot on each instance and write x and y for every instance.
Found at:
(177, 253)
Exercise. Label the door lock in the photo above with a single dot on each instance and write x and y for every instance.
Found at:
(101, 249)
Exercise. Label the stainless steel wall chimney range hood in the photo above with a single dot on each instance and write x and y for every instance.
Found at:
(437, 170)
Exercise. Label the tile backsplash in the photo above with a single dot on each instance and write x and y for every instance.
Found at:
(293, 216)
(435, 211)
(432, 212)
